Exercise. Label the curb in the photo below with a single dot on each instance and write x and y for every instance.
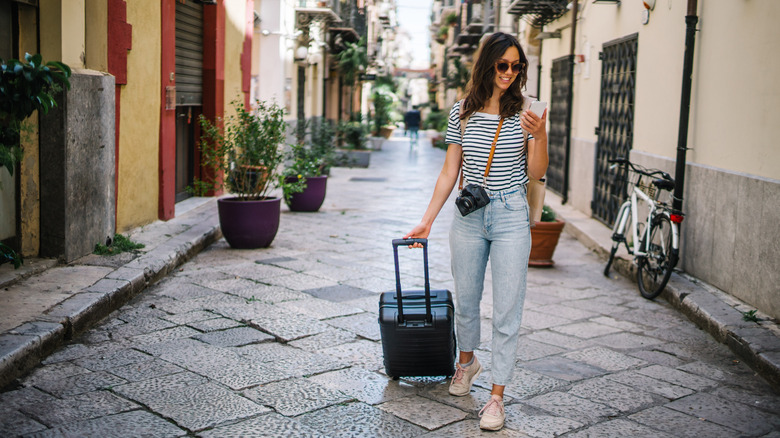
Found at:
(719, 314)
(25, 346)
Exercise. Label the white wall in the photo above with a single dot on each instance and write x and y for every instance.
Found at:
(733, 172)
(734, 115)
(276, 70)
(732, 118)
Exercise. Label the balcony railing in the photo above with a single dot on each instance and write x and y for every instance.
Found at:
(353, 17)
(353, 21)
(539, 12)
(317, 10)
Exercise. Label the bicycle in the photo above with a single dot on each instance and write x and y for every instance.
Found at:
(658, 252)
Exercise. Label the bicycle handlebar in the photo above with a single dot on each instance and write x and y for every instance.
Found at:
(641, 170)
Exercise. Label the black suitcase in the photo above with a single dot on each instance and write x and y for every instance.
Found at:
(417, 326)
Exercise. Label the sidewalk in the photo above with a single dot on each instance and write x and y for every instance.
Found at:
(720, 314)
(596, 357)
(43, 305)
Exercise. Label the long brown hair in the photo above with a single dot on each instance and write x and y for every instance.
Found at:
(483, 76)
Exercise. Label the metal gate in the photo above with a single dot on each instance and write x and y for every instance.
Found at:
(559, 124)
(189, 90)
(189, 53)
(616, 124)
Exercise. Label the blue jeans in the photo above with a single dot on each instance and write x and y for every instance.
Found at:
(500, 231)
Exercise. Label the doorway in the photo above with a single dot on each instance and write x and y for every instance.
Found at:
(616, 124)
(559, 123)
(189, 92)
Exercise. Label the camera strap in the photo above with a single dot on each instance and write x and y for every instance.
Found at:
(490, 157)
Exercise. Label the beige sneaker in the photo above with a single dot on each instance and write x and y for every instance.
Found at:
(461, 382)
(492, 416)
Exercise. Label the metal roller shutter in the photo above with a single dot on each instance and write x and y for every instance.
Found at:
(189, 53)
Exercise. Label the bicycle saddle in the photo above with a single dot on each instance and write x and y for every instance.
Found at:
(664, 184)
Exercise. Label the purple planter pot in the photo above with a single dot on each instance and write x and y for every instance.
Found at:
(313, 195)
(249, 224)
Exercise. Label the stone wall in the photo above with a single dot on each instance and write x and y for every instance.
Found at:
(729, 235)
(77, 156)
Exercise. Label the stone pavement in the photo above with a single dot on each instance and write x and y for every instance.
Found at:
(284, 341)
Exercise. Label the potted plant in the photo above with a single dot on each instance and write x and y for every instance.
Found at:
(306, 175)
(352, 61)
(544, 238)
(244, 156)
(25, 87)
(441, 34)
(383, 101)
(450, 19)
(352, 137)
(458, 76)
(437, 121)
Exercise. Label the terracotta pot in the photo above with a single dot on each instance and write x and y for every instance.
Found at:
(386, 132)
(312, 197)
(544, 239)
(249, 224)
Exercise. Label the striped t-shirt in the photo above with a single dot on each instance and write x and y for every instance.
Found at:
(508, 168)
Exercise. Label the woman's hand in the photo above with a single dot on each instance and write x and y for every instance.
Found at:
(534, 124)
(421, 231)
(537, 146)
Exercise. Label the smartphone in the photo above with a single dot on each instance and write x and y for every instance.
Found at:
(538, 107)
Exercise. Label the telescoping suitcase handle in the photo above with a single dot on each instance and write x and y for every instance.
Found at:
(424, 243)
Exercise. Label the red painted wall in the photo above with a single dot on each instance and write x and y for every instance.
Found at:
(120, 41)
(246, 54)
(214, 63)
(167, 157)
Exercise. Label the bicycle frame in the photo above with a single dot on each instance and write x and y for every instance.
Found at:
(635, 249)
(658, 251)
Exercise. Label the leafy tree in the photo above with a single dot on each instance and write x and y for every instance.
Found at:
(353, 60)
(459, 75)
(25, 87)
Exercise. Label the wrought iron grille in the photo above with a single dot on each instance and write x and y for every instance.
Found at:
(616, 124)
(559, 124)
(539, 12)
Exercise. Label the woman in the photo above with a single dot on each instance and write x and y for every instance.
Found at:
(500, 230)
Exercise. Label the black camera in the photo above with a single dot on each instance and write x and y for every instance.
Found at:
(472, 198)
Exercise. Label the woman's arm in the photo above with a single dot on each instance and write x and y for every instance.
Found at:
(444, 184)
(537, 146)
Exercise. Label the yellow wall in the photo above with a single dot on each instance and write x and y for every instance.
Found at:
(137, 202)
(97, 35)
(63, 31)
(235, 23)
(51, 29)
(732, 118)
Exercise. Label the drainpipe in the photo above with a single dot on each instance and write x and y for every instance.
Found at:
(685, 104)
(566, 158)
(539, 68)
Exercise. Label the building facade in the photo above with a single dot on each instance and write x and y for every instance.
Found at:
(615, 88)
(121, 148)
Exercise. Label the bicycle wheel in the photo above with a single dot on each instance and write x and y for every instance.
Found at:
(655, 268)
(618, 234)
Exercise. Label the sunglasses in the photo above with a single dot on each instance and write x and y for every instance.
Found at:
(503, 66)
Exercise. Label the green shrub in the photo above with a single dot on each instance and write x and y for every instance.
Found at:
(436, 120)
(548, 215)
(120, 244)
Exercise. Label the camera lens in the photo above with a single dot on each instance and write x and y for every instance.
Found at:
(467, 203)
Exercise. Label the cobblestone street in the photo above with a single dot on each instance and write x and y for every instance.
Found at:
(284, 342)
